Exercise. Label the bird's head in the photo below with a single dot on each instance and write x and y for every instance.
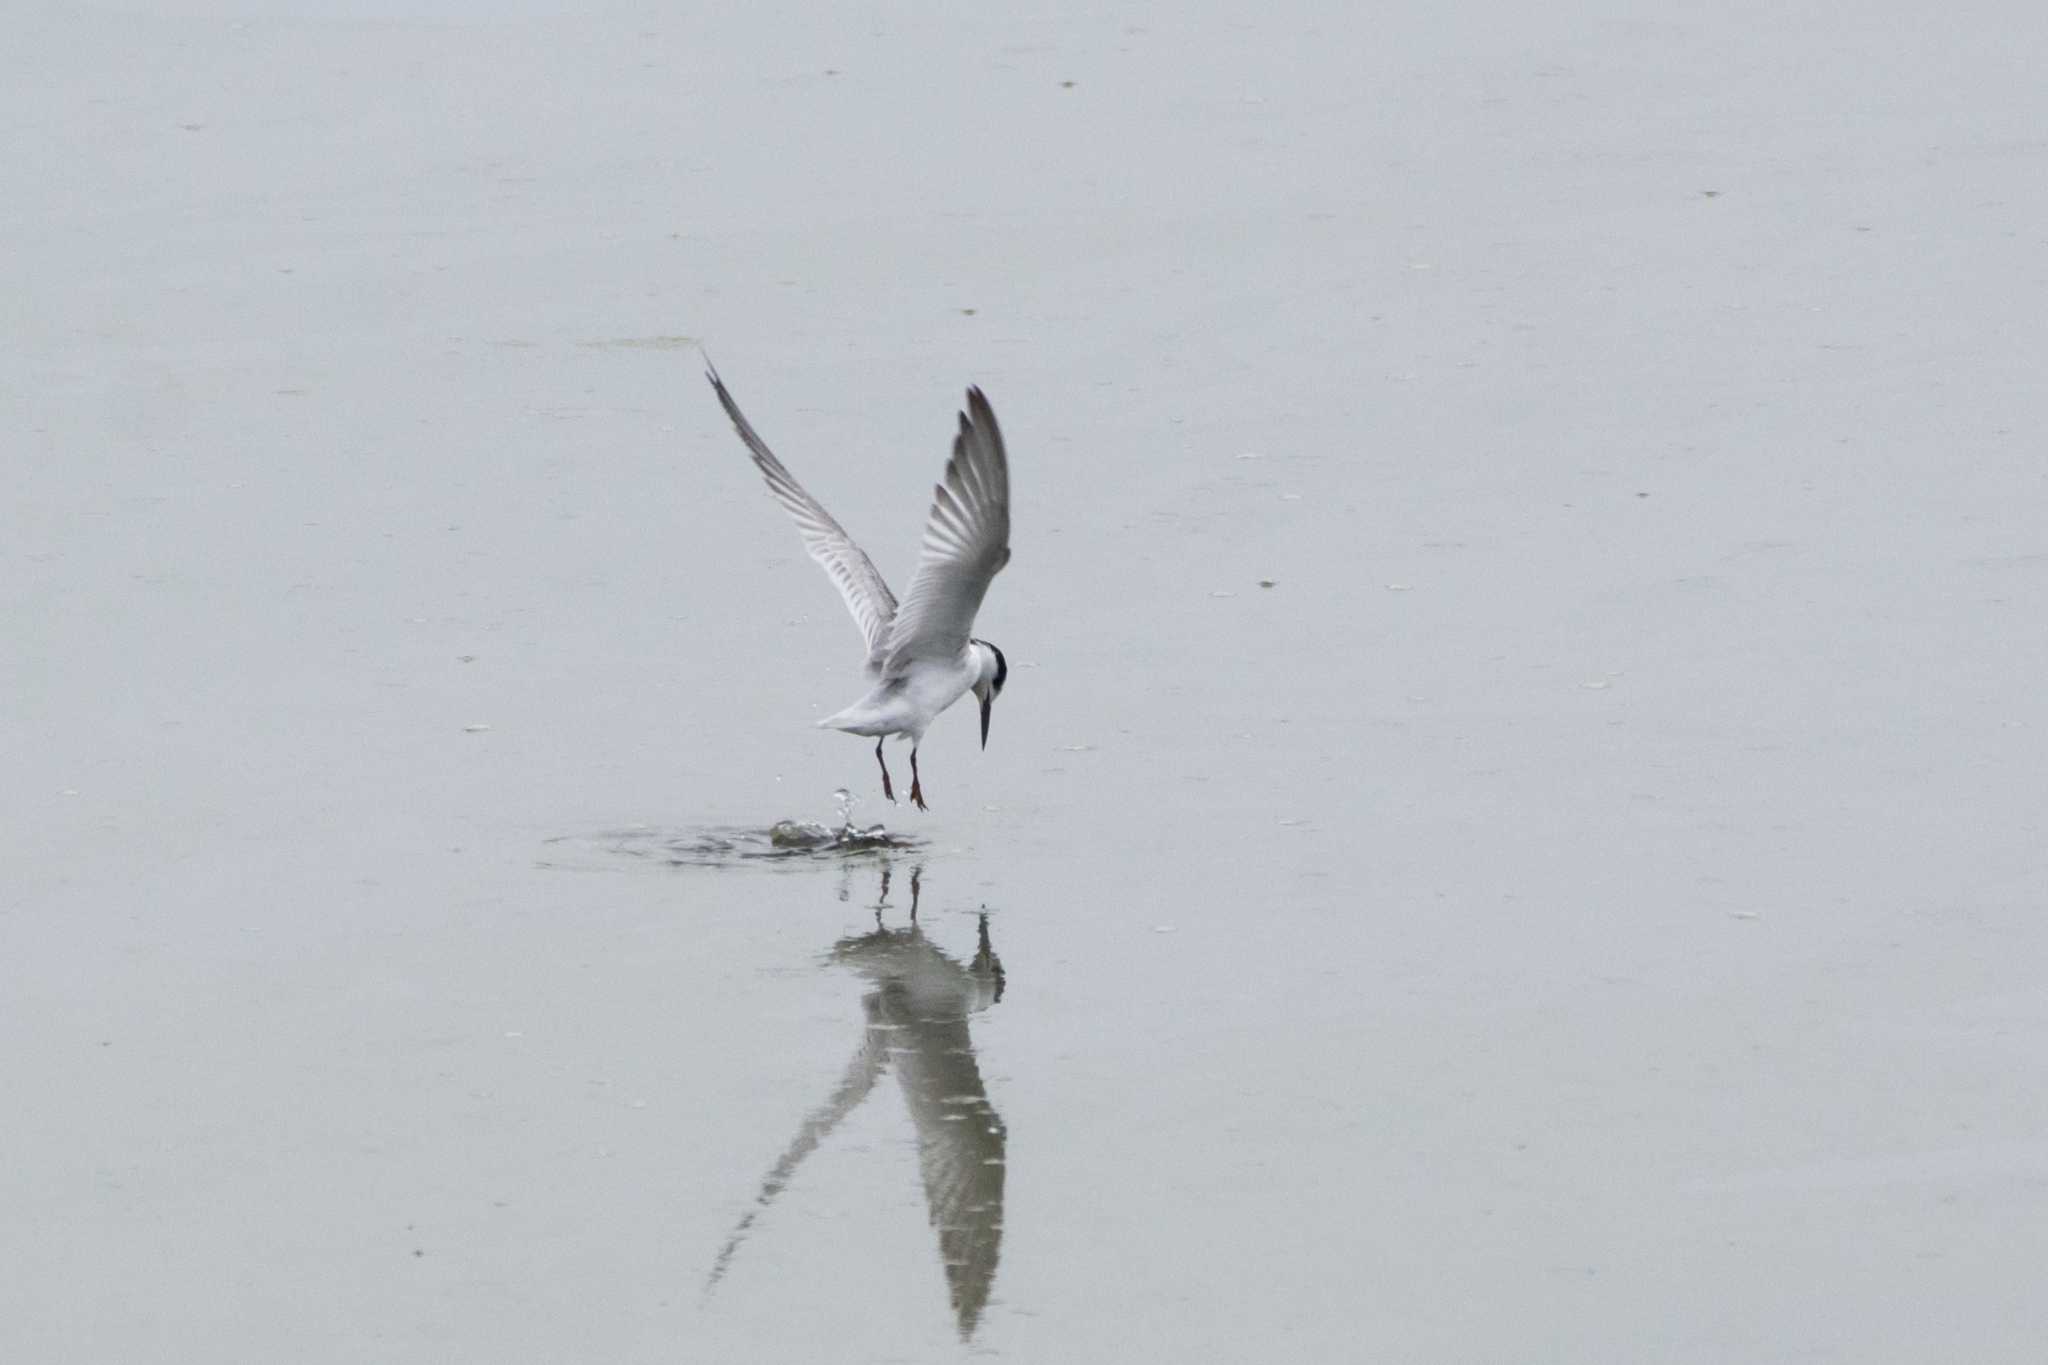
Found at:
(992, 671)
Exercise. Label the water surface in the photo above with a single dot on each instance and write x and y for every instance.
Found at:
(1514, 829)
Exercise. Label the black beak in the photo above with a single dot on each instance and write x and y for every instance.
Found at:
(988, 702)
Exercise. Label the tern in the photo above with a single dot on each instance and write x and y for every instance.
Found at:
(921, 655)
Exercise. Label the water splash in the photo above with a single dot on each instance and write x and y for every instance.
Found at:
(724, 846)
(810, 836)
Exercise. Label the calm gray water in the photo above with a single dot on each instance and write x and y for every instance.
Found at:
(1513, 834)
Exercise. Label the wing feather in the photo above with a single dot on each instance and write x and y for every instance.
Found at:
(966, 544)
(859, 582)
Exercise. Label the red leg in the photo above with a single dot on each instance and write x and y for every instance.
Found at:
(916, 790)
(888, 794)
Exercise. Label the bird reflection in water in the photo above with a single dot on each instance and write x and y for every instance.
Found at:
(917, 1015)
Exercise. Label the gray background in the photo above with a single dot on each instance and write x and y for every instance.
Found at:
(1589, 909)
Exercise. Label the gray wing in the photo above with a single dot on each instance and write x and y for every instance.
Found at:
(961, 1150)
(867, 596)
(966, 544)
(962, 1143)
(860, 1078)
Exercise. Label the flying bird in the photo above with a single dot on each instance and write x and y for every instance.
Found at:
(921, 657)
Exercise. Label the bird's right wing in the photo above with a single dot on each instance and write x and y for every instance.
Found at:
(867, 596)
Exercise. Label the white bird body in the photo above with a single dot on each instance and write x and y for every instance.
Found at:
(920, 656)
(907, 704)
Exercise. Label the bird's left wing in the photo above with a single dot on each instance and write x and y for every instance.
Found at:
(860, 583)
(966, 544)
(962, 1143)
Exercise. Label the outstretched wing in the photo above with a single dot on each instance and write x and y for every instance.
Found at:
(921, 1014)
(867, 596)
(867, 1066)
(966, 543)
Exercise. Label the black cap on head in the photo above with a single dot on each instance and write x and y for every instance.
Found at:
(1002, 667)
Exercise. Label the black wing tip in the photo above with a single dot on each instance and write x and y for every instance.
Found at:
(978, 423)
(726, 401)
(732, 410)
(756, 447)
(979, 416)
